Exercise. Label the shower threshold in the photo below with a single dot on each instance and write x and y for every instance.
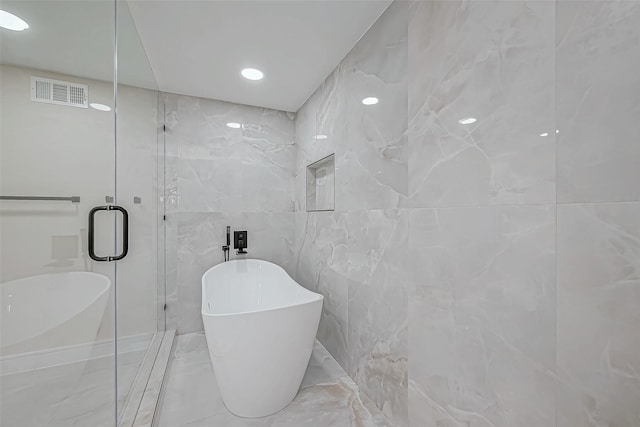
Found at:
(140, 407)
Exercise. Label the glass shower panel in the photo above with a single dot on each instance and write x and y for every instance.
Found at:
(57, 162)
(139, 170)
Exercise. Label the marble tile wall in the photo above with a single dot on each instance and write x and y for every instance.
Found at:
(374, 153)
(502, 74)
(355, 255)
(487, 274)
(482, 316)
(482, 239)
(598, 354)
(598, 54)
(218, 176)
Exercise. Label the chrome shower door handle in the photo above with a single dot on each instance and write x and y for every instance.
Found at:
(92, 234)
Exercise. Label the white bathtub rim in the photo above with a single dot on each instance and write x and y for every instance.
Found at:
(316, 296)
(266, 310)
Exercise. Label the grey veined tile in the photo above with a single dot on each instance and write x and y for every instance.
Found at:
(372, 167)
(223, 169)
(598, 55)
(378, 285)
(492, 61)
(482, 316)
(598, 300)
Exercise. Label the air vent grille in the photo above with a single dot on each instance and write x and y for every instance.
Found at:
(58, 92)
(43, 89)
(77, 95)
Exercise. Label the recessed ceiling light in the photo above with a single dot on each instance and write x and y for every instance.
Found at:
(467, 121)
(557, 131)
(371, 100)
(100, 107)
(544, 134)
(252, 74)
(234, 125)
(11, 21)
(321, 137)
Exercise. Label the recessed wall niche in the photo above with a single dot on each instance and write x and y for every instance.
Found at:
(321, 184)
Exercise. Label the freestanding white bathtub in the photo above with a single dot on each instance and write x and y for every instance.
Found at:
(51, 310)
(260, 327)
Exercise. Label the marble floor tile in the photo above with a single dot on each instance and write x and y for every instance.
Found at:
(190, 392)
(328, 396)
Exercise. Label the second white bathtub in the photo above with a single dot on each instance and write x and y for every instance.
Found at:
(260, 327)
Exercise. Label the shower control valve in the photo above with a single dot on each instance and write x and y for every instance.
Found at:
(240, 241)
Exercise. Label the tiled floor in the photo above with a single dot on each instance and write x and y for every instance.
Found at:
(76, 394)
(327, 398)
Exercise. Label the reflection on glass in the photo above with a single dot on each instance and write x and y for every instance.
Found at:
(57, 306)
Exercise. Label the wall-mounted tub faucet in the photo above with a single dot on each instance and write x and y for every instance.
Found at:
(240, 241)
(225, 248)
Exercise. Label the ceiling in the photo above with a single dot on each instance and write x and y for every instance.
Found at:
(199, 47)
(194, 47)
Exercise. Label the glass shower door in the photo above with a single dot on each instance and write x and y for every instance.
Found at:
(139, 167)
(57, 163)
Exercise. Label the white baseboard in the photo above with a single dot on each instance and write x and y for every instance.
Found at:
(74, 353)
